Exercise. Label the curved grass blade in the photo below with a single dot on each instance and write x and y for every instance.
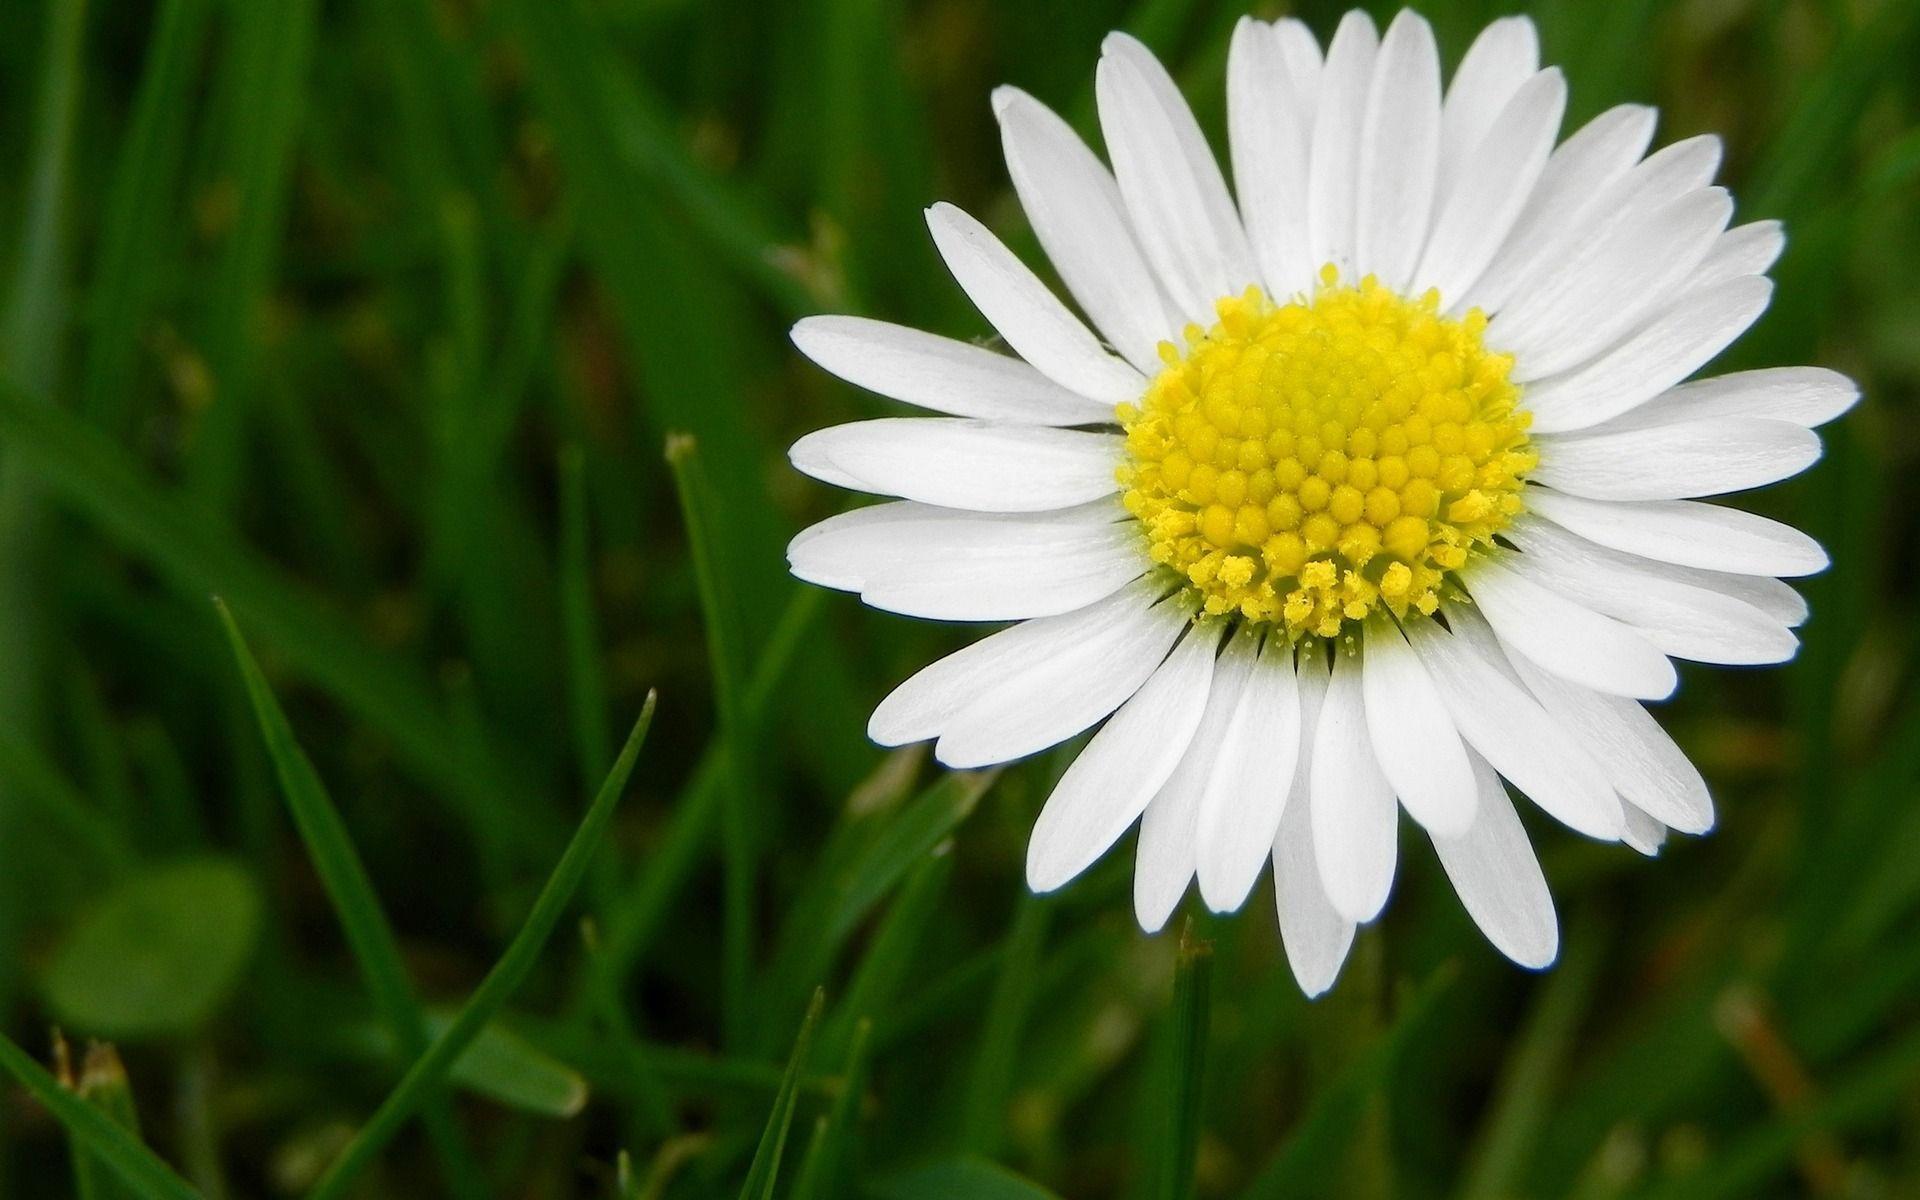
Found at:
(136, 1166)
(369, 935)
(506, 976)
(765, 1169)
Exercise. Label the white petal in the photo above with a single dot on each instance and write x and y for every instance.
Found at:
(1414, 740)
(1075, 210)
(1676, 461)
(1684, 620)
(1164, 859)
(1600, 152)
(1083, 640)
(1688, 532)
(1303, 59)
(1749, 249)
(1048, 702)
(1315, 935)
(940, 373)
(1631, 197)
(1568, 638)
(1608, 284)
(1270, 103)
(1809, 396)
(1510, 729)
(1478, 211)
(1493, 868)
(1669, 348)
(1638, 756)
(950, 565)
(1504, 56)
(956, 462)
(1643, 832)
(1772, 597)
(1122, 767)
(1399, 153)
(1354, 815)
(1170, 182)
(1034, 322)
(1334, 173)
(1250, 782)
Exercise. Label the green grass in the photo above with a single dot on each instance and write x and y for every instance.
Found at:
(444, 342)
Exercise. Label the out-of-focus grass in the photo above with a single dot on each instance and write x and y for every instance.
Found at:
(374, 319)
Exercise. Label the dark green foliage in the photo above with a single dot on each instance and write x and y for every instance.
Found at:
(445, 341)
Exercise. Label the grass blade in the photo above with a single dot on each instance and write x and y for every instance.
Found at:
(113, 1144)
(822, 1172)
(1185, 1066)
(102, 1082)
(369, 935)
(265, 90)
(725, 653)
(1309, 1157)
(990, 1083)
(764, 1171)
(506, 976)
(139, 202)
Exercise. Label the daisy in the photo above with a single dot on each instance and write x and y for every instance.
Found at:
(1362, 487)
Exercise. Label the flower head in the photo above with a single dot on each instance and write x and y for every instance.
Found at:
(1378, 484)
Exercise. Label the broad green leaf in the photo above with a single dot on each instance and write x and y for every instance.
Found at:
(158, 953)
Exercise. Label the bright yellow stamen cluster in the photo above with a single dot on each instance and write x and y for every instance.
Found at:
(1308, 463)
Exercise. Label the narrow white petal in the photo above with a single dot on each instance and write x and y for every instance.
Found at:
(957, 462)
(1314, 933)
(1031, 318)
(1504, 56)
(1476, 213)
(1675, 344)
(1808, 396)
(1250, 782)
(921, 707)
(942, 374)
(1608, 285)
(1749, 249)
(1568, 638)
(1510, 729)
(1109, 784)
(1303, 58)
(1628, 198)
(1334, 170)
(1164, 860)
(951, 565)
(1601, 151)
(1355, 835)
(1676, 461)
(1075, 210)
(1644, 833)
(1048, 702)
(1414, 740)
(1399, 153)
(1493, 868)
(1639, 757)
(1270, 130)
(1688, 532)
(1170, 183)
(1682, 619)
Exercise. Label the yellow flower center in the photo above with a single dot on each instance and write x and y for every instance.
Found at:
(1307, 464)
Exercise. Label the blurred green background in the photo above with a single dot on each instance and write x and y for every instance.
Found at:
(375, 317)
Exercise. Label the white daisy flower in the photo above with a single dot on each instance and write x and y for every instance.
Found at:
(1377, 484)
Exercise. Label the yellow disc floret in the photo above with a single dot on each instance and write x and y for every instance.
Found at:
(1306, 464)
